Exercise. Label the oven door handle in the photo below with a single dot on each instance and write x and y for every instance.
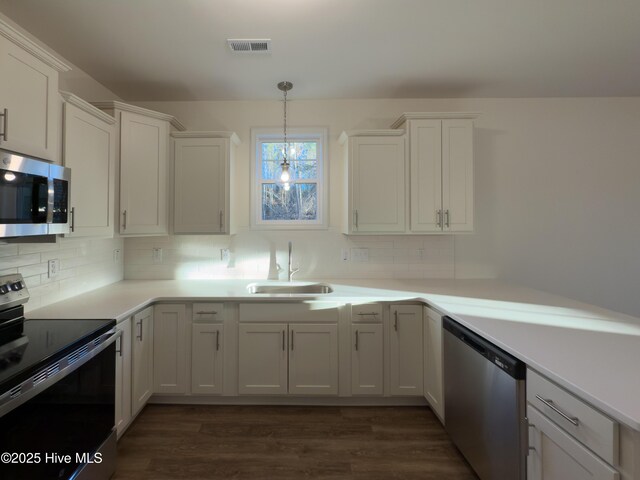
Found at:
(55, 371)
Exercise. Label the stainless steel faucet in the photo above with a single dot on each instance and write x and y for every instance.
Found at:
(291, 271)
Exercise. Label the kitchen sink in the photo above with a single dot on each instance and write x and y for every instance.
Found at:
(289, 288)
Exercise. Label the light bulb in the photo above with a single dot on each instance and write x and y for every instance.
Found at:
(284, 176)
(287, 187)
(9, 177)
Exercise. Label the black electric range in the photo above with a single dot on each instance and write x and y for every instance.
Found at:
(57, 392)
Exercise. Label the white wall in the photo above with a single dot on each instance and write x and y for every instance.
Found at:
(557, 188)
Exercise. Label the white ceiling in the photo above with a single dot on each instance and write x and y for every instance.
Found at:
(176, 49)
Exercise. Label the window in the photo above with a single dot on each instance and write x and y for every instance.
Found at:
(299, 204)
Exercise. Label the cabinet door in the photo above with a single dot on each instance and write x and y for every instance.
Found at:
(366, 359)
(142, 368)
(29, 92)
(123, 377)
(169, 349)
(405, 345)
(433, 386)
(89, 150)
(457, 175)
(378, 184)
(201, 166)
(426, 175)
(143, 175)
(554, 455)
(262, 358)
(313, 359)
(207, 358)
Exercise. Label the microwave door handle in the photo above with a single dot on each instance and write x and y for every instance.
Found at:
(50, 199)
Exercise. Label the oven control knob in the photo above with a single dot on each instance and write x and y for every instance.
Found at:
(4, 289)
(16, 286)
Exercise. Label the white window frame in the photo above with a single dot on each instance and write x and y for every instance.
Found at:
(319, 135)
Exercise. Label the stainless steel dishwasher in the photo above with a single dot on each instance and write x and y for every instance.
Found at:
(485, 404)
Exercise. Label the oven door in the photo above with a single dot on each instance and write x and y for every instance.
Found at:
(67, 428)
(24, 196)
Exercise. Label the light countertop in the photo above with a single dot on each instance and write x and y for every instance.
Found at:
(592, 352)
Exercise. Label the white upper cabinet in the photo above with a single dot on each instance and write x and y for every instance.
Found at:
(143, 163)
(203, 166)
(29, 103)
(89, 150)
(375, 161)
(441, 171)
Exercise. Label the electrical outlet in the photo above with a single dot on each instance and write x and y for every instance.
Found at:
(54, 267)
(344, 255)
(116, 255)
(156, 255)
(225, 254)
(360, 255)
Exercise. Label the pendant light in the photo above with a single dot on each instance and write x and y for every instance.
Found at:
(283, 175)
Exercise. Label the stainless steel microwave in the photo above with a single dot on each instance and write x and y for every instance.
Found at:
(34, 196)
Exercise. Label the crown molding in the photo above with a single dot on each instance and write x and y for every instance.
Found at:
(33, 48)
(116, 105)
(369, 133)
(87, 107)
(208, 134)
(433, 116)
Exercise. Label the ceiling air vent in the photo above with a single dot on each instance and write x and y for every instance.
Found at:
(262, 45)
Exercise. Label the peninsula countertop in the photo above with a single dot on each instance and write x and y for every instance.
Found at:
(591, 351)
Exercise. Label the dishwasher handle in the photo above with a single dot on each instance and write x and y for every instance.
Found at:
(503, 360)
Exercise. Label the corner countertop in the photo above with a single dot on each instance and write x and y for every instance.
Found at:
(591, 351)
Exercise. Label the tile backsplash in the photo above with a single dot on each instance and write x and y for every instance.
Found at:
(258, 255)
(84, 264)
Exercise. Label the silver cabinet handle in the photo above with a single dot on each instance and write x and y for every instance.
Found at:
(355, 214)
(446, 216)
(368, 313)
(283, 341)
(139, 337)
(206, 312)
(72, 227)
(217, 340)
(549, 403)
(5, 114)
(292, 340)
(356, 340)
(124, 220)
(439, 218)
(395, 321)
(119, 345)
(221, 222)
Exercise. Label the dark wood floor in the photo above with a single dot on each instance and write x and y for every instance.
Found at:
(250, 442)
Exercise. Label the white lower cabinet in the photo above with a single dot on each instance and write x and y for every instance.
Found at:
(405, 350)
(142, 359)
(123, 377)
(262, 358)
(170, 349)
(207, 358)
(433, 378)
(288, 358)
(367, 348)
(313, 359)
(555, 455)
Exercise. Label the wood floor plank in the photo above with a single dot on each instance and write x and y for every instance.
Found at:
(203, 442)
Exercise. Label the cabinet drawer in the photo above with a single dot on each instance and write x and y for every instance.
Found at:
(317, 312)
(366, 312)
(207, 312)
(588, 425)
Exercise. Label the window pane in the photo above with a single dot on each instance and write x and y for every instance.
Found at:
(299, 203)
(302, 157)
